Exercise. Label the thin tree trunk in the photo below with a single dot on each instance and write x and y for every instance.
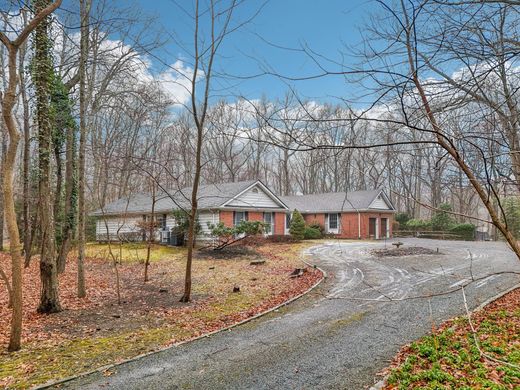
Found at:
(9, 209)
(26, 155)
(2, 162)
(151, 236)
(70, 199)
(84, 12)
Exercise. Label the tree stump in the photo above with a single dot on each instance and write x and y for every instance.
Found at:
(297, 273)
(257, 262)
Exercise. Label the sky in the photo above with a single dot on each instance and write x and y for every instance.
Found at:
(326, 27)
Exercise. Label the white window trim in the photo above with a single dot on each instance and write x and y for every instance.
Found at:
(336, 229)
(287, 226)
(271, 224)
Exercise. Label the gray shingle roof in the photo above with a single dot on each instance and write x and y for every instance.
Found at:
(331, 201)
(209, 196)
(214, 195)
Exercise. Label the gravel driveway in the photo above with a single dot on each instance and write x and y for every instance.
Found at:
(339, 336)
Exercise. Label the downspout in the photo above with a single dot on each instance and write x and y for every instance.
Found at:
(359, 224)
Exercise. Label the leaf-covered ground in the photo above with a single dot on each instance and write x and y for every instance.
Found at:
(96, 331)
(450, 357)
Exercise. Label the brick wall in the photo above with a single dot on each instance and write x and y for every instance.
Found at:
(349, 225)
(255, 216)
(226, 217)
(279, 224)
(311, 218)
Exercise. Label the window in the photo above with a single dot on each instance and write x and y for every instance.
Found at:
(269, 223)
(161, 221)
(239, 216)
(333, 221)
(255, 190)
(287, 221)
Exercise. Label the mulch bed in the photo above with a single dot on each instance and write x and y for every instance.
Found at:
(228, 253)
(408, 251)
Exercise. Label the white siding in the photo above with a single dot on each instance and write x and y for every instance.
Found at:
(117, 225)
(205, 217)
(170, 222)
(129, 226)
(255, 197)
(379, 203)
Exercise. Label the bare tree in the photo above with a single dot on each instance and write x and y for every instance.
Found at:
(8, 102)
(204, 61)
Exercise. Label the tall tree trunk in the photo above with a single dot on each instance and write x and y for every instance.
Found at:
(9, 209)
(49, 296)
(69, 212)
(3, 152)
(27, 241)
(84, 12)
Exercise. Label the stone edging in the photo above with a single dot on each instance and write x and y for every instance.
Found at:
(379, 385)
(109, 366)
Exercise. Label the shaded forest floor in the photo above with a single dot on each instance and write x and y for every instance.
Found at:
(450, 358)
(96, 331)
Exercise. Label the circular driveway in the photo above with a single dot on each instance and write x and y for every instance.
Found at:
(340, 335)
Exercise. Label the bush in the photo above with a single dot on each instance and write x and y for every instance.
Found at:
(182, 223)
(311, 233)
(511, 206)
(229, 235)
(297, 227)
(402, 218)
(442, 220)
(318, 226)
(465, 230)
(418, 224)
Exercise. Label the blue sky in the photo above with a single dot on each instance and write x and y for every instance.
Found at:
(325, 26)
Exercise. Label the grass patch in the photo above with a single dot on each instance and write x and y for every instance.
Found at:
(133, 252)
(23, 369)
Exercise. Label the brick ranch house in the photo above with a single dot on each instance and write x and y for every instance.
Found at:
(354, 215)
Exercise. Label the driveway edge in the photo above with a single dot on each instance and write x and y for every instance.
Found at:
(256, 316)
(379, 385)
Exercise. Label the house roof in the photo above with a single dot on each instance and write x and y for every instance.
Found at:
(213, 196)
(209, 196)
(336, 201)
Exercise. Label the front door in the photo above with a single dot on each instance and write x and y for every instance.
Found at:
(372, 227)
(384, 227)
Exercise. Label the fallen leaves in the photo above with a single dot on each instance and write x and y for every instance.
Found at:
(449, 358)
(96, 331)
